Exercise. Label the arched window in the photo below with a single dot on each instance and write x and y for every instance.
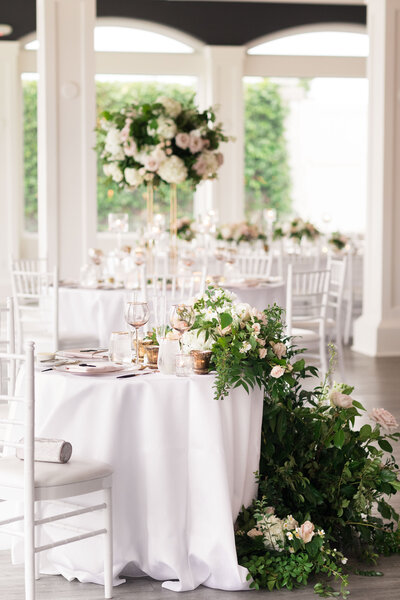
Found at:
(120, 79)
(308, 93)
(314, 43)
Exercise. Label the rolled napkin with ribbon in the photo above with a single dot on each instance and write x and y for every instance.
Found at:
(48, 450)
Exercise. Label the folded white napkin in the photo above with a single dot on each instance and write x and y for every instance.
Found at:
(93, 367)
(48, 450)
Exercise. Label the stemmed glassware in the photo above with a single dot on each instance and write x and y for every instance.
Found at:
(136, 315)
(181, 317)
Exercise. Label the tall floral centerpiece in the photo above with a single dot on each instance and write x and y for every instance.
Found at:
(162, 141)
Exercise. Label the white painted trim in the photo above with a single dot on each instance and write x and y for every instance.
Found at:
(131, 63)
(171, 32)
(312, 28)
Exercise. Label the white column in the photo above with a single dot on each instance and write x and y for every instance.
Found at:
(66, 121)
(377, 332)
(11, 152)
(222, 88)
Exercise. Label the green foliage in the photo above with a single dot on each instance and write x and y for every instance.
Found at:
(267, 174)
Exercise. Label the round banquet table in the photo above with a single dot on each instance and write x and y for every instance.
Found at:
(184, 465)
(95, 313)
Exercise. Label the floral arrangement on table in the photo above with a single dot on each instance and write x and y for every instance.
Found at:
(299, 229)
(329, 482)
(160, 141)
(185, 230)
(338, 240)
(240, 232)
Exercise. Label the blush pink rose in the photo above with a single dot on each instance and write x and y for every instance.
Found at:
(195, 144)
(256, 327)
(277, 371)
(306, 531)
(340, 400)
(220, 158)
(279, 349)
(200, 166)
(182, 140)
(151, 163)
(384, 418)
(130, 148)
(262, 353)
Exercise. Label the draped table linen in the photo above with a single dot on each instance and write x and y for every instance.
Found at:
(184, 465)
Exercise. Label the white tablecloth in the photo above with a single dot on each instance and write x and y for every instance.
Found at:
(184, 465)
(96, 313)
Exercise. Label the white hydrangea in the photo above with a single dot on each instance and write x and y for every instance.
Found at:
(166, 128)
(191, 341)
(172, 107)
(112, 170)
(173, 170)
(133, 177)
(113, 144)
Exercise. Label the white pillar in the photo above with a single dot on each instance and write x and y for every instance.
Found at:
(222, 88)
(66, 120)
(11, 153)
(377, 332)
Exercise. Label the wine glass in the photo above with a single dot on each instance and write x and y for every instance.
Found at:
(136, 315)
(181, 317)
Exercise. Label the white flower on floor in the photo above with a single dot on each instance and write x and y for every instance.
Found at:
(277, 371)
(321, 532)
(245, 347)
(290, 523)
(384, 418)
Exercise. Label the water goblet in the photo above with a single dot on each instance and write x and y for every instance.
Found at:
(136, 315)
(181, 317)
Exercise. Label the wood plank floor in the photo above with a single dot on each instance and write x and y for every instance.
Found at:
(377, 384)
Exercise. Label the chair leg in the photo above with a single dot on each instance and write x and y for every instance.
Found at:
(29, 553)
(38, 531)
(108, 547)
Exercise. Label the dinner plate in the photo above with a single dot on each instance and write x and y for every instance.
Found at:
(99, 368)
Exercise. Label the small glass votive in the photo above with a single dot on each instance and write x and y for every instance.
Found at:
(120, 347)
(183, 365)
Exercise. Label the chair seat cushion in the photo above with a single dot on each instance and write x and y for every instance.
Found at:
(51, 474)
(305, 323)
(304, 335)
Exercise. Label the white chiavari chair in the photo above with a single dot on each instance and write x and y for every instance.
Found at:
(307, 300)
(33, 483)
(255, 264)
(7, 344)
(36, 305)
(35, 294)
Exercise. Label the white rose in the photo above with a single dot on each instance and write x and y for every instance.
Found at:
(151, 164)
(173, 170)
(195, 340)
(195, 143)
(113, 144)
(182, 140)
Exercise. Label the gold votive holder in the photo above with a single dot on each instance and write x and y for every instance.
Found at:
(151, 353)
(201, 361)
